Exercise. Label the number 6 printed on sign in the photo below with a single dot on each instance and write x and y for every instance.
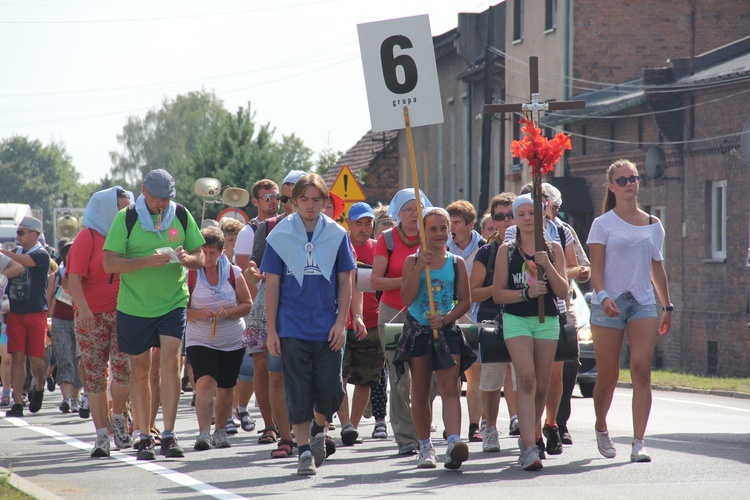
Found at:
(398, 59)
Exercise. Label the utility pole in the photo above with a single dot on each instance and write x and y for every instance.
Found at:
(484, 175)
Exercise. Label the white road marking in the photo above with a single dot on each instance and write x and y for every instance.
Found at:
(174, 476)
(710, 405)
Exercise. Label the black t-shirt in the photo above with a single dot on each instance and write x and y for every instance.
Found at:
(28, 291)
(517, 279)
(488, 310)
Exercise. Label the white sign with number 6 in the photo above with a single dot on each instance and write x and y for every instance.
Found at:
(398, 59)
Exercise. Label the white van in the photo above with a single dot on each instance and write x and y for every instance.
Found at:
(11, 215)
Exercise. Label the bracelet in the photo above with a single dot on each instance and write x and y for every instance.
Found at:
(357, 316)
(521, 295)
(669, 308)
(526, 294)
(602, 295)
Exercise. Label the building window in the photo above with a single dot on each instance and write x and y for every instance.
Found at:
(660, 212)
(716, 217)
(550, 15)
(517, 20)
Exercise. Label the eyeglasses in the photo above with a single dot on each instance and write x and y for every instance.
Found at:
(623, 181)
(284, 199)
(269, 197)
(500, 216)
(20, 233)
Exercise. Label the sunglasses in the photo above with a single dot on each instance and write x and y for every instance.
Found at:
(501, 216)
(269, 197)
(623, 181)
(20, 233)
(284, 199)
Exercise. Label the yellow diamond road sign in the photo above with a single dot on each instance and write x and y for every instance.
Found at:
(347, 187)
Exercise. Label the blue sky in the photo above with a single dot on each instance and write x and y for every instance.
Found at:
(74, 70)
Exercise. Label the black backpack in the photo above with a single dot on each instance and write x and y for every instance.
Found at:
(131, 217)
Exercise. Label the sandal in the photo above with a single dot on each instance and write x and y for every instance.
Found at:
(247, 422)
(380, 431)
(284, 450)
(269, 435)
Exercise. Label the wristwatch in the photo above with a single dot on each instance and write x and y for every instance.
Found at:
(669, 308)
(357, 316)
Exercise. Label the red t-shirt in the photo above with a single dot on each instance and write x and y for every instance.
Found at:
(395, 265)
(86, 259)
(370, 305)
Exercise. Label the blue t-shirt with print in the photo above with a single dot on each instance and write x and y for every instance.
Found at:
(308, 312)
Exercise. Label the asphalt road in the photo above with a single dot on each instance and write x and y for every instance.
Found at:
(700, 445)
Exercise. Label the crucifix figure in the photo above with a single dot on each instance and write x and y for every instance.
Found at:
(533, 108)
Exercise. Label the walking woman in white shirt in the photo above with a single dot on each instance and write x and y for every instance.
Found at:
(626, 265)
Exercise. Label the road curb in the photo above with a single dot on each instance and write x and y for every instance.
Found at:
(709, 392)
(28, 487)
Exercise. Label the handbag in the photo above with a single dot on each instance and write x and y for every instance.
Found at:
(492, 348)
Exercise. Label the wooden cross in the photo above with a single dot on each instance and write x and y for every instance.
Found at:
(534, 107)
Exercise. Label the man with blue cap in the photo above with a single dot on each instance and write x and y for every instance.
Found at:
(363, 356)
(149, 245)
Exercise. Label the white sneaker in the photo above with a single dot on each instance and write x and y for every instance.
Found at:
(75, 407)
(426, 459)
(513, 428)
(119, 428)
(638, 452)
(219, 439)
(101, 447)
(490, 440)
(456, 454)
(433, 428)
(529, 459)
(605, 444)
(202, 442)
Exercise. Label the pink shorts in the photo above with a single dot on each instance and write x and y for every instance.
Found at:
(27, 333)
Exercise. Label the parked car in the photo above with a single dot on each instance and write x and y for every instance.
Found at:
(587, 371)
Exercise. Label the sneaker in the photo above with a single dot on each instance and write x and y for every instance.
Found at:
(15, 411)
(306, 465)
(203, 442)
(136, 438)
(426, 459)
(75, 405)
(4, 401)
(84, 411)
(170, 448)
(318, 448)
(119, 427)
(35, 401)
(564, 434)
(409, 448)
(331, 446)
(186, 384)
(638, 453)
(605, 444)
(246, 421)
(101, 447)
(433, 428)
(65, 406)
(456, 454)
(513, 429)
(349, 435)
(474, 435)
(380, 431)
(50, 385)
(554, 444)
(491, 440)
(219, 439)
(146, 448)
(192, 401)
(540, 445)
(482, 425)
(231, 426)
(530, 460)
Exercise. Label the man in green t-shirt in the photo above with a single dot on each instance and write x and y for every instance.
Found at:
(149, 244)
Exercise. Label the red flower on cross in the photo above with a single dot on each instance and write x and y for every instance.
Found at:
(541, 153)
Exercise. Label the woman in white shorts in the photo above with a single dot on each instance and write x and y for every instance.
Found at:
(626, 265)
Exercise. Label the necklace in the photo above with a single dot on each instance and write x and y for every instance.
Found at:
(404, 239)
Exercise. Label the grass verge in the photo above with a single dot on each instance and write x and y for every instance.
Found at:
(8, 492)
(674, 379)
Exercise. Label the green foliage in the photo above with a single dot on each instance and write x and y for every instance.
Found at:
(194, 136)
(327, 157)
(41, 176)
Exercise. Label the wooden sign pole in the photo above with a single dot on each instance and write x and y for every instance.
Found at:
(418, 198)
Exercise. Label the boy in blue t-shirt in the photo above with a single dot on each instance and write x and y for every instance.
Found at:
(308, 264)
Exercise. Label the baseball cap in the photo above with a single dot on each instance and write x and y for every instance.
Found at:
(361, 209)
(160, 184)
(293, 176)
(32, 223)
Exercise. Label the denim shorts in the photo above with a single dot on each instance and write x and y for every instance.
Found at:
(273, 362)
(630, 310)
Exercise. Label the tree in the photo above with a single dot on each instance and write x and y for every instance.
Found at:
(327, 157)
(294, 154)
(41, 176)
